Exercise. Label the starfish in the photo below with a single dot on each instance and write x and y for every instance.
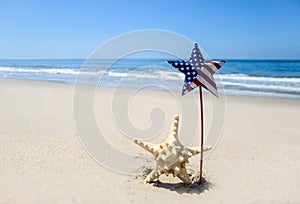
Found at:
(170, 156)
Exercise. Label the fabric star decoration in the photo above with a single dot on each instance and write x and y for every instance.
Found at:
(198, 72)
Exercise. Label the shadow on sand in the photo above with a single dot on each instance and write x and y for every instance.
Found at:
(180, 188)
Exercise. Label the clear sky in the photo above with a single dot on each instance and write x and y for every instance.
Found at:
(225, 29)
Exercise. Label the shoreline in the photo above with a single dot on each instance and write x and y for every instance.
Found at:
(125, 88)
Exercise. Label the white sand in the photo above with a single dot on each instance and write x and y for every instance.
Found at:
(257, 159)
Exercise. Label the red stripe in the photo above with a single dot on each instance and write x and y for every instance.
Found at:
(216, 64)
(206, 78)
(198, 83)
(208, 68)
(189, 88)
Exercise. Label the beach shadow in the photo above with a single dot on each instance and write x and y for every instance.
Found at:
(181, 188)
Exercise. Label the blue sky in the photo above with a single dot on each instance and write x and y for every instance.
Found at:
(225, 29)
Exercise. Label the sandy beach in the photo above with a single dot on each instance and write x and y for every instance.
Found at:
(257, 159)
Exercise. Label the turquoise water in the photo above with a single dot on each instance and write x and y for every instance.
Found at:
(267, 78)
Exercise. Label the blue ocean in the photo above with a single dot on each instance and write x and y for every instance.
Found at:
(265, 78)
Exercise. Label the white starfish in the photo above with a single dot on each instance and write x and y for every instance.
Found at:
(170, 156)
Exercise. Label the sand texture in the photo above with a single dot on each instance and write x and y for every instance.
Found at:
(257, 159)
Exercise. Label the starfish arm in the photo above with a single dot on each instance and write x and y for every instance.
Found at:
(174, 128)
(146, 145)
(191, 151)
(184, 177)
(152, 176)
(205, 148)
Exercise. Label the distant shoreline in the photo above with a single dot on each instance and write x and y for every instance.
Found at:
(264, 78)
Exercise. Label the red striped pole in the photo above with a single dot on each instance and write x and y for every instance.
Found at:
(201, 133)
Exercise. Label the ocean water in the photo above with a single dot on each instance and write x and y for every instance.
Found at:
(266, 78)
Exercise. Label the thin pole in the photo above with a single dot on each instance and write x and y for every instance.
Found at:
(201, 135)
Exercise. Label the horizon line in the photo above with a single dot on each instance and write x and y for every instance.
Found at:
(216, 58)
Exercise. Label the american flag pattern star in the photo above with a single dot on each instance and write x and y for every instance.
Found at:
(198, 72)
